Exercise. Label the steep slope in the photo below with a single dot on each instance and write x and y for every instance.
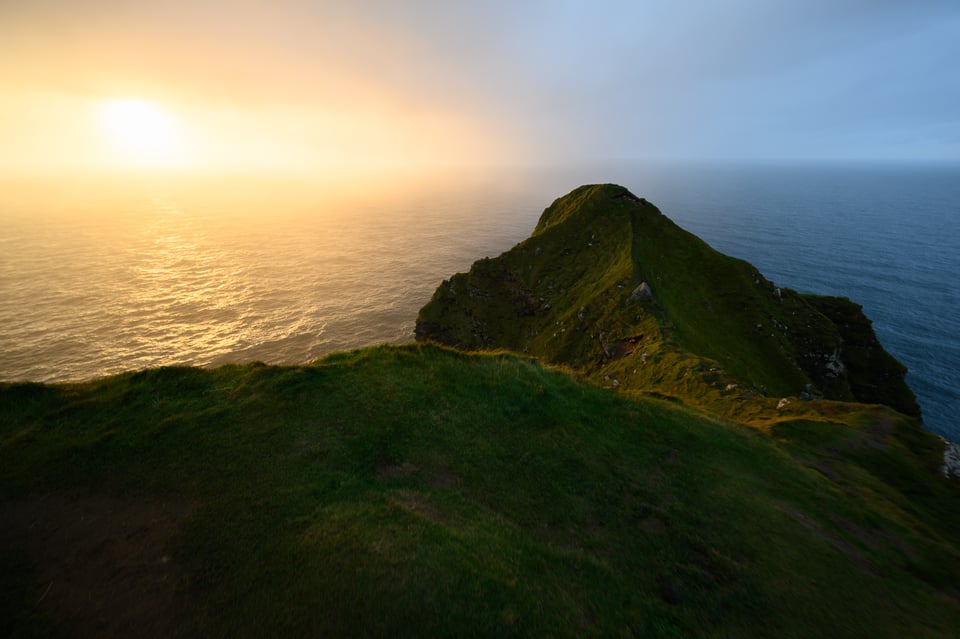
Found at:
(417, 491)
(609, 285)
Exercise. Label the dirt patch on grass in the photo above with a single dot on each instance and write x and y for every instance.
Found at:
(876, 539)
(444, 478)
(391, 472)
(440, 477)
(851, 552)
(421, 505)
(100, 564)
(875, 435)
(653, 524)
(827, 468)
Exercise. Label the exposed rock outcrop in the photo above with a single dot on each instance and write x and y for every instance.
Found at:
(951, 460)
(642, 292)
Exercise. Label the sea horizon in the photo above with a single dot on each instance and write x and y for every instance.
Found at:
(282, 272)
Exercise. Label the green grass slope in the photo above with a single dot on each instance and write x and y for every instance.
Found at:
(569, 295)
(419, 491)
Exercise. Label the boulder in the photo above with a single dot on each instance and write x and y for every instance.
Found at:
(642, 292)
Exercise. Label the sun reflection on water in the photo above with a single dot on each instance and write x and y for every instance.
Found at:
(171, 280)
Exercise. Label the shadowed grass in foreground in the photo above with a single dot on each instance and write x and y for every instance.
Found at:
(414, 490)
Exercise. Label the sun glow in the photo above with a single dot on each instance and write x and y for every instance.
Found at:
(53, 133)
(141, 133)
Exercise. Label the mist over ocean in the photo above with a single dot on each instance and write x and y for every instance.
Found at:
(162, 278)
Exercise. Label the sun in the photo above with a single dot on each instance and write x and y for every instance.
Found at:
(139, 132)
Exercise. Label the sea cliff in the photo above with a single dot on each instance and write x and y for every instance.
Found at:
(677, 447)
(610, 286)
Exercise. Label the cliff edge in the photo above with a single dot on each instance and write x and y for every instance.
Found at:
(609, 285)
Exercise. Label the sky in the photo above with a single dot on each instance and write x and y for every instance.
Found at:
(296, 85)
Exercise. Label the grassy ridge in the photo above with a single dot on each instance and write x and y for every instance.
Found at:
(566, 295)
(414, 490)
(421, 491)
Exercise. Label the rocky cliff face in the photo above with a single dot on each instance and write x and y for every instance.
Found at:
(609, 285)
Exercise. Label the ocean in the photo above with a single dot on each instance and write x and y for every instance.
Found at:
(281, 271)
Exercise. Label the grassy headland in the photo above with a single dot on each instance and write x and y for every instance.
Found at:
(610, 286)
(424, 491)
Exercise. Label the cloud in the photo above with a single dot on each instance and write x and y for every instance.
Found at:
(552, 80)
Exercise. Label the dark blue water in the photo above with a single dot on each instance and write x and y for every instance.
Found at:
(887, 237)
